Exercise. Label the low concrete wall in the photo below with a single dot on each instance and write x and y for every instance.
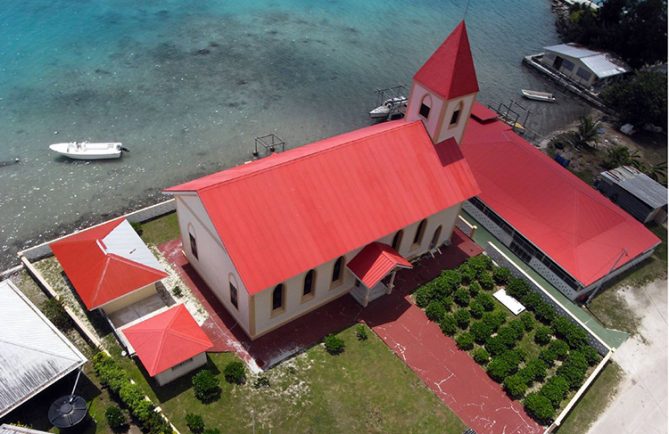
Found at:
(466, 228)
(501, 259)
(43, 250)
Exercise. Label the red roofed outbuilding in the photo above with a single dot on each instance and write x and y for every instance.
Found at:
(169, 344)
(109, 265)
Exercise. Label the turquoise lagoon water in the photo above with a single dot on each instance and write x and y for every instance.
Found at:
(187, 85)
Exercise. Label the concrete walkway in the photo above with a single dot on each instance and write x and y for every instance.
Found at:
(640, 406)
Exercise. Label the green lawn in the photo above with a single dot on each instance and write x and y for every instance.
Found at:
(365, 389)
(593, 402)
(161, 229)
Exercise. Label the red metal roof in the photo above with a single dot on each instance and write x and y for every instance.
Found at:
(97, 275)
(564, 217)
(167, 339)
(284, 214)
(374, 262)
(450, 70)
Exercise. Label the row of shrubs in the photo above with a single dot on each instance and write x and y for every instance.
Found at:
(498, 340)
(130, 394)
(207, 387)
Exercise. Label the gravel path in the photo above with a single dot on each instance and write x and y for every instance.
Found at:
(641, 403)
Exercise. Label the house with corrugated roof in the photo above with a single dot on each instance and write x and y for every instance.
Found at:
(34, 354)
(278, 237)
(587, 67)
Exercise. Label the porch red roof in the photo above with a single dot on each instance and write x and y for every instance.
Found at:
(167, 339)
(450, 70)
(565, 218)
(284, 214)
(98, 274)
(374, 262)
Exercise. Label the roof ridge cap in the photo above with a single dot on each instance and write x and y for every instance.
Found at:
(134, 263)
(312, 154)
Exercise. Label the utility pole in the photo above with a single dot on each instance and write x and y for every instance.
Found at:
(596, 290)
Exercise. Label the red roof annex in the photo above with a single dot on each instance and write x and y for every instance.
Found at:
(450, 70)
(98, 275)
(374, 262)
(284, 214)
(167, 339)
(567, 219)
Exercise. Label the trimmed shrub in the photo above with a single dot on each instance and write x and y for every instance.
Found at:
(206, 386)
(461, 297)
(448, 325)
(486, 281)
(467, 274)
(528, 321)
(542, 335)
(177, 292)
(476, 309)
(235, 372)
(486, 300)
(495, 345)
(424, 295)
(556, 350)
(544, 312)
(54, 310)
(361, 332)
(447, 282)
(480, 356)
(508, 336)
(195, 423)
(518, 327)
(498, 369)
(515, 386)
(474, 288)
(447, 302)
(572, 334)
(573, 370)
(539, 407)
(462, 318)
(480, 263)
(465, 341)
(116, 419)
(435, 311)
(555, 390)
(535, 370)
(531, 300)
(590, 354)
(494, 319)
(480, 331)
(334, 345)
(501, 275)
(517, 288)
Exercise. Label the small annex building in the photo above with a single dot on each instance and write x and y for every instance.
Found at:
(109, 266)
(635, 192)
(278, 237)
(34, 354)
(169, 344)
(563, 228)
(586, 67)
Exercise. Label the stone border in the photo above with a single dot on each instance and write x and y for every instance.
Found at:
(499, 257)
(577, 396)
(151, 212)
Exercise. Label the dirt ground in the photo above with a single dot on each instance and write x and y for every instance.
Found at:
(640, 406)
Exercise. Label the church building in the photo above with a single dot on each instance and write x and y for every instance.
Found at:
(281, 236)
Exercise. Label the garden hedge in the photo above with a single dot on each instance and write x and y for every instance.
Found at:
(539, 407)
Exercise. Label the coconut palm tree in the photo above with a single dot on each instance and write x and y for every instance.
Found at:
(587, 134)
(622, 156)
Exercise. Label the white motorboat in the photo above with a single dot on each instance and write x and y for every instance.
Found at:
(390, 107)
(88, 150)
(538, 96)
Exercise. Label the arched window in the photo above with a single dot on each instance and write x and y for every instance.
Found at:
(425, 106)
(420, 231)
(435, 237)
(233, 291)
(337, 270)
(397, 240)
(455, 117)
(192, 241)
(277, 297)
(309, 282)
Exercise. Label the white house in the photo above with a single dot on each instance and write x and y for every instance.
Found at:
(277, 238)
(586, 67)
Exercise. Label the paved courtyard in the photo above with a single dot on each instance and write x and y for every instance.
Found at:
(456, 379)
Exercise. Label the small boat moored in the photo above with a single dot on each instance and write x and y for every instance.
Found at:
(89, 151)
(389, 107)
(538, 96)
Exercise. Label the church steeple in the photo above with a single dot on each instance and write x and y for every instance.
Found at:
(445, 88)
